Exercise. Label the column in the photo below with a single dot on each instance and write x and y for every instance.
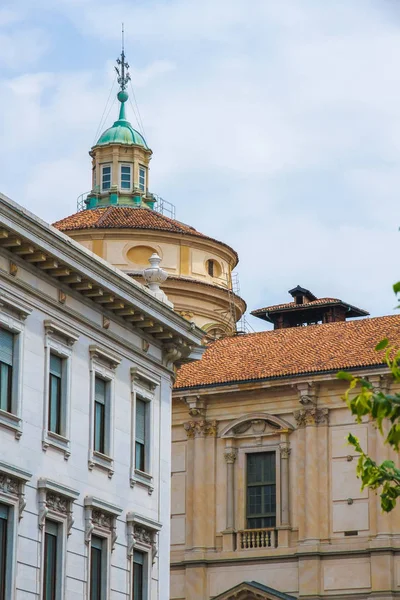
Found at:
(284, 462)
(228, 541)
(230, 455)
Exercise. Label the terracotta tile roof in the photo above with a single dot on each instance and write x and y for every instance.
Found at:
(291, 305)
(126, 217)
(291, 351)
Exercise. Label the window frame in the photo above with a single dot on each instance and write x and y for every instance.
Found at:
(102, 167)
(12, 317)
(100, 521)
(105, 575)
(55, 502)
(146, 544)
(144, 387)
(130, 166)
(60, 557)
(13, 497)
(104, 450)
(241, 495)
(59, 340)
(103, 364)
(248, 454)
(142, 187)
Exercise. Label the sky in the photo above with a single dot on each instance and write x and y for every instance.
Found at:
(275, 127)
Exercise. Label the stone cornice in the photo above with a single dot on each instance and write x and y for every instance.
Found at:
(61, 248)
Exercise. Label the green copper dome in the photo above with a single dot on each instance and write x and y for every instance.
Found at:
(122, 131)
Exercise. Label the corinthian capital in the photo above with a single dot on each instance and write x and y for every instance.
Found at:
(311, 416)
(201, 428)
(230, 455)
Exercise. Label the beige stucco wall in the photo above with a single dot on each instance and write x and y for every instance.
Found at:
(185, 259)
(317, 554)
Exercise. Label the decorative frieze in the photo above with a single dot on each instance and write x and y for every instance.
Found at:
(12, 485)
(57, 500)
(311, 416)
(142, 533)
(101, 516)
(201, 428)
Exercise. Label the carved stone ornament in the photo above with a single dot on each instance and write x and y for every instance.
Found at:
(285, 451)
(11, 486)
(230, 455)
(102, 520)
(311, 416)
(201, 428)
(138, 534)
(57, 503)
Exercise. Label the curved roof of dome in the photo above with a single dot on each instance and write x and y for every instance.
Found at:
(122, 132)
(127, 217)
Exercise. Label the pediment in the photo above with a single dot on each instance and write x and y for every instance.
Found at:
(256, 424)
(252, 590)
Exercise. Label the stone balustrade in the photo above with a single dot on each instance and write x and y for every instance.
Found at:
(248, 539)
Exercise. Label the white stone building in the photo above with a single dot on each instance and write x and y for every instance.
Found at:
(87, 359)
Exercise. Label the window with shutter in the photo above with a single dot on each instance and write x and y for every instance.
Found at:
(55, 394)
(140, 445)
(6, 369)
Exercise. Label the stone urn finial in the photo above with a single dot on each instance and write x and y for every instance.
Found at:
(154, 276)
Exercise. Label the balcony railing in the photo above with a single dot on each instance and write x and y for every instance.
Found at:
(248, 539)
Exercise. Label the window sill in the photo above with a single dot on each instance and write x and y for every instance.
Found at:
(58, 442)
(101, 461)
(11, 421)
(143, 479)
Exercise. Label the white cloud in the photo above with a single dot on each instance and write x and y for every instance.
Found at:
(275, 127)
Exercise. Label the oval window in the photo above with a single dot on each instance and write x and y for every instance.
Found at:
(140, 254)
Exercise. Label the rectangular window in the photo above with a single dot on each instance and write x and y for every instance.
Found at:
(261, 490)
(142, 179)
(55, 394)
(139, 575)
(97, 575)
(100, 399)
(50, 560)
(126, 177)
(140, 434)
(6, 369)
(106, 177)
(3, 549)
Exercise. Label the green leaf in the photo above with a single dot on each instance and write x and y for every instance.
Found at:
(396, 287)
(345, 376)
(382, 345)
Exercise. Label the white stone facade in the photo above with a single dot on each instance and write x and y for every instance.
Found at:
(62, 477)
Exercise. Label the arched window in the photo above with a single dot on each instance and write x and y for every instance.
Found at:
(213, 268)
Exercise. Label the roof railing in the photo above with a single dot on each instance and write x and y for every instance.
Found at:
(161, 206)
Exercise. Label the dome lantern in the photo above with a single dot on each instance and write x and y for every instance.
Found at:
(120, 158)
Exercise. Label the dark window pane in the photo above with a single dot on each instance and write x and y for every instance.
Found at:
(3, 549)
(50, 561)
(54, 404)
(100, 390)
(261, 490)
(99, 427)
(55, 365)
(139, 456)
(96, 577)
(5, 387)
(138, 576)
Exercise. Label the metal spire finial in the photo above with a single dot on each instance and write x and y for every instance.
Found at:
(123, 77)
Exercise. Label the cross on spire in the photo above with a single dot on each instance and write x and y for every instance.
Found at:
(123, 77)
